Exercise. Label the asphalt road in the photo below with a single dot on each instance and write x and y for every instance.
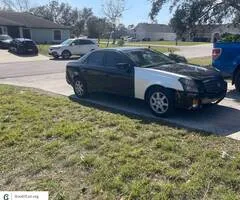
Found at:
(223, 119)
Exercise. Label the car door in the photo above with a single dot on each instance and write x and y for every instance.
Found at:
(120, 77)
(74, 47)
(94, 72)
(86, 46)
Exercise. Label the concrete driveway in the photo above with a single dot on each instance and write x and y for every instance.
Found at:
(6, 57)
(223, 119)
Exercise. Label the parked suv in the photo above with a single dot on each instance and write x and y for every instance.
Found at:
(5, 41)
(73, 47)
(23, 46)
(146, 75)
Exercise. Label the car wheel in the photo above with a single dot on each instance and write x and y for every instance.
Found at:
(55, 56)
(237, 81)
(66, 54)
(18, 51)
(161, 102)
(80, 88)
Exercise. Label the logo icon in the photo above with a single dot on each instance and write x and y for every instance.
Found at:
(6, 197)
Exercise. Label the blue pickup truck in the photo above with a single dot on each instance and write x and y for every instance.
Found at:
(226, 58)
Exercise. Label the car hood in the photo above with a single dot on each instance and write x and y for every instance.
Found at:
(192, 71)
(56, 46)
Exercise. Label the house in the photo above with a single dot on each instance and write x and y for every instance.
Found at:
(206, 33)
(26, 25)
(154, 32)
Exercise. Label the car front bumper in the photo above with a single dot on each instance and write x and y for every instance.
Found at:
(193, 101)
(4, 45)
(54, 52)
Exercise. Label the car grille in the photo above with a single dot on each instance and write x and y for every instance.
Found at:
(214, 86)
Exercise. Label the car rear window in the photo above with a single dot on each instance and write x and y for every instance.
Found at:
(29, 43)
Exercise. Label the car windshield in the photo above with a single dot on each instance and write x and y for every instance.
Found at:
(67, 42)
(5, 37)
(148, 58)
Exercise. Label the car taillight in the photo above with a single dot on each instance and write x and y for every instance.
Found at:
(216, 53)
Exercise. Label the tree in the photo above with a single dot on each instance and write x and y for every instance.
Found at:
(121, 31)
(60, 13)
(15, 5)
(187, 17)
(78, 28)
(213, 11)
(97, 27)
(113, 10)
(178, 23)
(63, 13)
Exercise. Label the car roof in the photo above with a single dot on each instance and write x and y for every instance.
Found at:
(123, 49)
(23, 39)
(4, 35)
(81, 39)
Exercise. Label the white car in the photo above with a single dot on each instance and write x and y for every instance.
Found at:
(71, 47)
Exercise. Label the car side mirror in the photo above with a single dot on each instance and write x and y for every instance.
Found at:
(73, 44)
(124, 66)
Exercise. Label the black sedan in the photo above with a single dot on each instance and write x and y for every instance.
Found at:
(5, 41)
(23, 46)
(147, 75)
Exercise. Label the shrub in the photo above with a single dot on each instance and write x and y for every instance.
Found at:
(120, 43)
(228, 37)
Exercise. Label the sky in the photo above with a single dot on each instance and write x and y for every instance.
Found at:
(136, 10)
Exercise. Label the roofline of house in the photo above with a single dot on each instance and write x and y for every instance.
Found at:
(65, 28)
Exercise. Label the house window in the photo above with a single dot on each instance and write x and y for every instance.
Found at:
(57, 35)
(27, 33)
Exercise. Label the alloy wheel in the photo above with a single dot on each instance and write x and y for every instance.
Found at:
(79, 88)
(159, 102)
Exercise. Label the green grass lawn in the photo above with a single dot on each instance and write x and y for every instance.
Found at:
(77, 152)
(204, 61)
(171, 43)
(43, 49)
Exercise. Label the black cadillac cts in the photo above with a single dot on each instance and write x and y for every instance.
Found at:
(147, 75)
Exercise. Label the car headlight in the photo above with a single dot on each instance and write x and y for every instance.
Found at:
(189, 85)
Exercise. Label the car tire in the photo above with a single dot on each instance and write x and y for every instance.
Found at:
(55, 56)
(66, 54)
(80, 88)
(161, 101)
(18, 51)
(237, 81)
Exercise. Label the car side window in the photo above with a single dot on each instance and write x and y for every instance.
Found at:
(95, 59)
(85, 42)
(75, 42)
(114, 58)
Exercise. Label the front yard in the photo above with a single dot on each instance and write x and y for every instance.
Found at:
(77, 152)
(167, 43)
(43, 48)
(203, 61)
